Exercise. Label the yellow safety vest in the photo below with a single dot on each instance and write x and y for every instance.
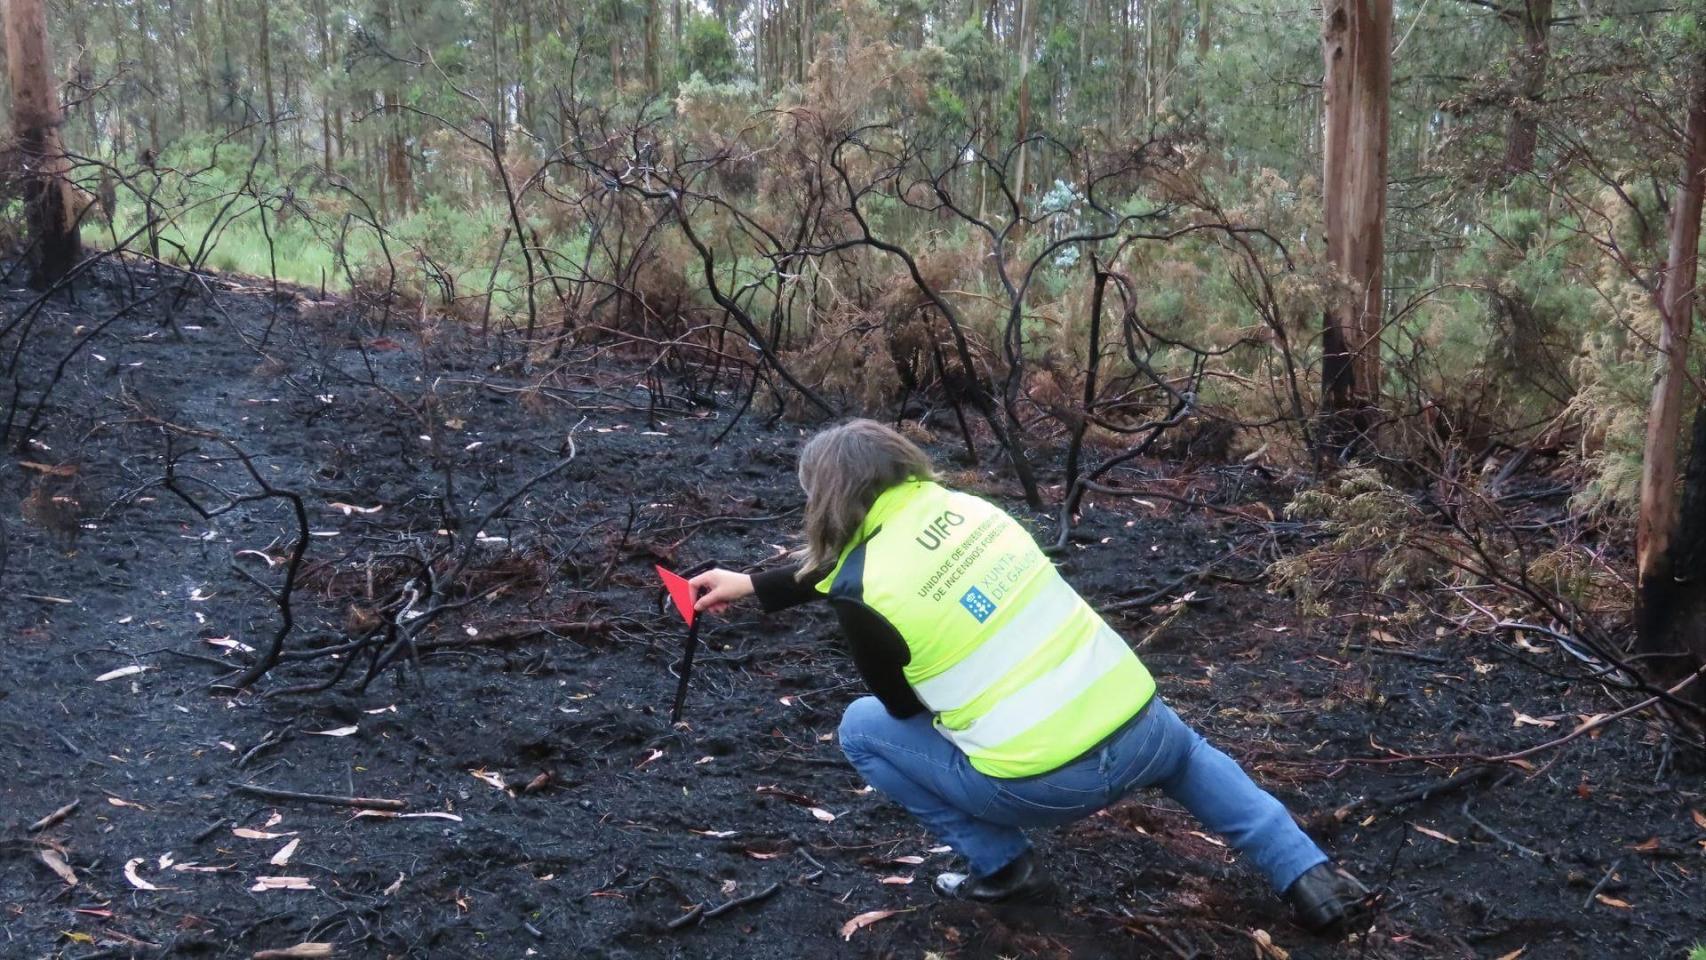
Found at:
(1021, 673)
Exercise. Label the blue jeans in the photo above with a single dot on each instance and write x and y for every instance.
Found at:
(982, 817)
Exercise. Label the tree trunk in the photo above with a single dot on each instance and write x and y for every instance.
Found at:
(150, 78)
(292, 94)
(228, 77)
(118, 116)
(651, 46)
(1524, 130)
(178, 98)
(1356, 43)
(382, 173)
(1149, 60)
(758, 25)
(54, 243)
(83, 74)
(1670, 604)
(325, 31)
(524, 86)
(397, 156)
(1128, 61)
(616, 45)
(1083, 59)
(807, 18)
(1669, 544)
(499, 118)
(266, 79)
(1165, 53)
(203, 59)
(1026, 17)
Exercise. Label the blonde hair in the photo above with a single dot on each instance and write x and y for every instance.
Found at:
(843, 470)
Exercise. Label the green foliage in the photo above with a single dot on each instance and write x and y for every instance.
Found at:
(707, 51)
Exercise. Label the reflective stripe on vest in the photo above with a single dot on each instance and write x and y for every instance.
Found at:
(1034, 702)
(1021, 673)
(1030, 630)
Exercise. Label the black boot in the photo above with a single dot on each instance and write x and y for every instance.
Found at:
(1023, 880)
(1325, 896)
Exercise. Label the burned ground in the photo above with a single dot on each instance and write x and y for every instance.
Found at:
(570, 818)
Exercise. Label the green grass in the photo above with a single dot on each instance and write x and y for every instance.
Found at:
(241, 245)
(460, 243)
(1698, 952)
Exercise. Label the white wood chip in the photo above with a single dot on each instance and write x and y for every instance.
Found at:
(249, 833)
(282, 857)
(131, 875)
(263, 884)
(57, 864)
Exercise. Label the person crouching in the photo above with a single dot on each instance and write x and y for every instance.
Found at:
(1000, 700)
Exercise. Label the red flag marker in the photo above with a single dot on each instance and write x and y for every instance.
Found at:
(682, 593)
(679, 591)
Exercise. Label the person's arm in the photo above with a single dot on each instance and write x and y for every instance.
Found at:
(782, 588)
(879, 653)
(776, 589)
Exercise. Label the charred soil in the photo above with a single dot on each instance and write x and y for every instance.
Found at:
(568, 817)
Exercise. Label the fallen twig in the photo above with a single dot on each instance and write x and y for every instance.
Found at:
(1496, 835)
(210, 829)
(702, 913)
(1414, 794)
(1609, 873)
(1395, 652)
(687, 918)
(270, 740)
(55, 816)
(365, 803)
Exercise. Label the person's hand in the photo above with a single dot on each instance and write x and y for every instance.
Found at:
(716, 589)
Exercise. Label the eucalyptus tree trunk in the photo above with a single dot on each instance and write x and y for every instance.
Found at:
(266, 80)
(150, 78)
(1356, 43)
(499, 109)
(1671, 594)
(651, 46)
(804, 39)
(524, 88)
(83, 74)
(48, 195)
(325, 33)
(1026, 18)
(204, 59)
(178, 98)
(228, 76)
(616, 45)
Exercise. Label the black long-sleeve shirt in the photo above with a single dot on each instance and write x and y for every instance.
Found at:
(877, 648)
